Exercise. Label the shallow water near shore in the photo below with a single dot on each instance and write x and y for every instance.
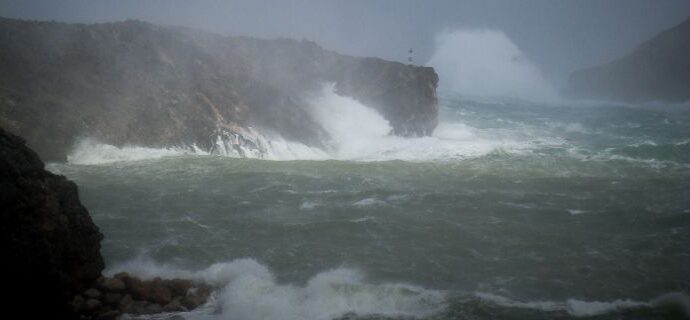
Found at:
(510, 211)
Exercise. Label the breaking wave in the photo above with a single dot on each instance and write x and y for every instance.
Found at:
(356, 131)
(249, 290)
(89, 151)
(581, 308)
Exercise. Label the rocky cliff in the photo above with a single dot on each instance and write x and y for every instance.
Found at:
(658, 70)
(138, 83)
(51, 248)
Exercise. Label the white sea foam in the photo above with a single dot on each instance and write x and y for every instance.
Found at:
(360, 133)
(250, 291)
(581, 308)
(357, 133)
(89, 151)
(362, 219)
(254, 144)
(369, 202)
(308, 205)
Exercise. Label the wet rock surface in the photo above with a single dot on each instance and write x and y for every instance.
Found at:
(134, 296)
(51, 247)
(52, 251)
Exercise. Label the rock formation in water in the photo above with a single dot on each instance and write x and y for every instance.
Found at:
(51, 248)
(658, 70)
(137, 83)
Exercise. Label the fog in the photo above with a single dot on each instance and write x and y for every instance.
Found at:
(558, 37)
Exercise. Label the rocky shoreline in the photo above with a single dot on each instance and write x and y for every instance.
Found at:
(125, 294)
(52, 251)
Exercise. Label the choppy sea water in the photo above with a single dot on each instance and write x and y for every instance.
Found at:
(511, 211)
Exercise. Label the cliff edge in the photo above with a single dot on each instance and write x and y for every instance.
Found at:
(138, 83)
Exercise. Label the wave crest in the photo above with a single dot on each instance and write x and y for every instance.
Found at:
(250, 291)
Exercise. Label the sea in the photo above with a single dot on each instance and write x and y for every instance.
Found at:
(510, 210)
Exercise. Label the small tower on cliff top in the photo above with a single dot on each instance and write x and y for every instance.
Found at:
(409, 57)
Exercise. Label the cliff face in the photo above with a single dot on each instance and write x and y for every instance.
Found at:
(658, 70)
(51, 248)
(138, 83)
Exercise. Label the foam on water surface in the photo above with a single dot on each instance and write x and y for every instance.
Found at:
(249, 290)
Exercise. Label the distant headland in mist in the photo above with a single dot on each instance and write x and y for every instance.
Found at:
(657, 70)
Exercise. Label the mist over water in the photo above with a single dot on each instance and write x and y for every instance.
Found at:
(486, 63)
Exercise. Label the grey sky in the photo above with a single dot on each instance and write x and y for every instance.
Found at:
(557, 35)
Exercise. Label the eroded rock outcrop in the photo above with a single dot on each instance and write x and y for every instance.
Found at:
(138, 83)
(51, 248)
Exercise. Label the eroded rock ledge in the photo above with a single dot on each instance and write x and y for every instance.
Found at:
(137, 83)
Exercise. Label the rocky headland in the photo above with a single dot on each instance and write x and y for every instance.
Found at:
(52, 261)
(138, 83)
(658, 70)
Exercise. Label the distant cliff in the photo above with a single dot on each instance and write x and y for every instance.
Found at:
(137, 83)
(658, 70)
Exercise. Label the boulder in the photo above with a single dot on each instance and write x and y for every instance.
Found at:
(126, 304)
(174, 305)
(108, 315)
(112, 299)
(161, 295)
(92, 293)
(78, 304)
(93, 304)
(113, 285)
(152, 308)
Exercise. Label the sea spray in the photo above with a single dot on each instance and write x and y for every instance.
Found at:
(486, 63)
(356, 133)
(249, 290)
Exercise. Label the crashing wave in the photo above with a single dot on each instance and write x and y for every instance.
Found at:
(250, 291)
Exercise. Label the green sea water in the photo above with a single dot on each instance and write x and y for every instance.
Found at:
(510, 211)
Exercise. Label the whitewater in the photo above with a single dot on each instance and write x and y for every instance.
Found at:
(521, 205)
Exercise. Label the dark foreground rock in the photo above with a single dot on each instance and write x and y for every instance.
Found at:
(51, 248)
(124, 294)
(137, 83)
(51, 251)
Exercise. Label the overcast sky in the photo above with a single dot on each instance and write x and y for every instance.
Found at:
(558, 36)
